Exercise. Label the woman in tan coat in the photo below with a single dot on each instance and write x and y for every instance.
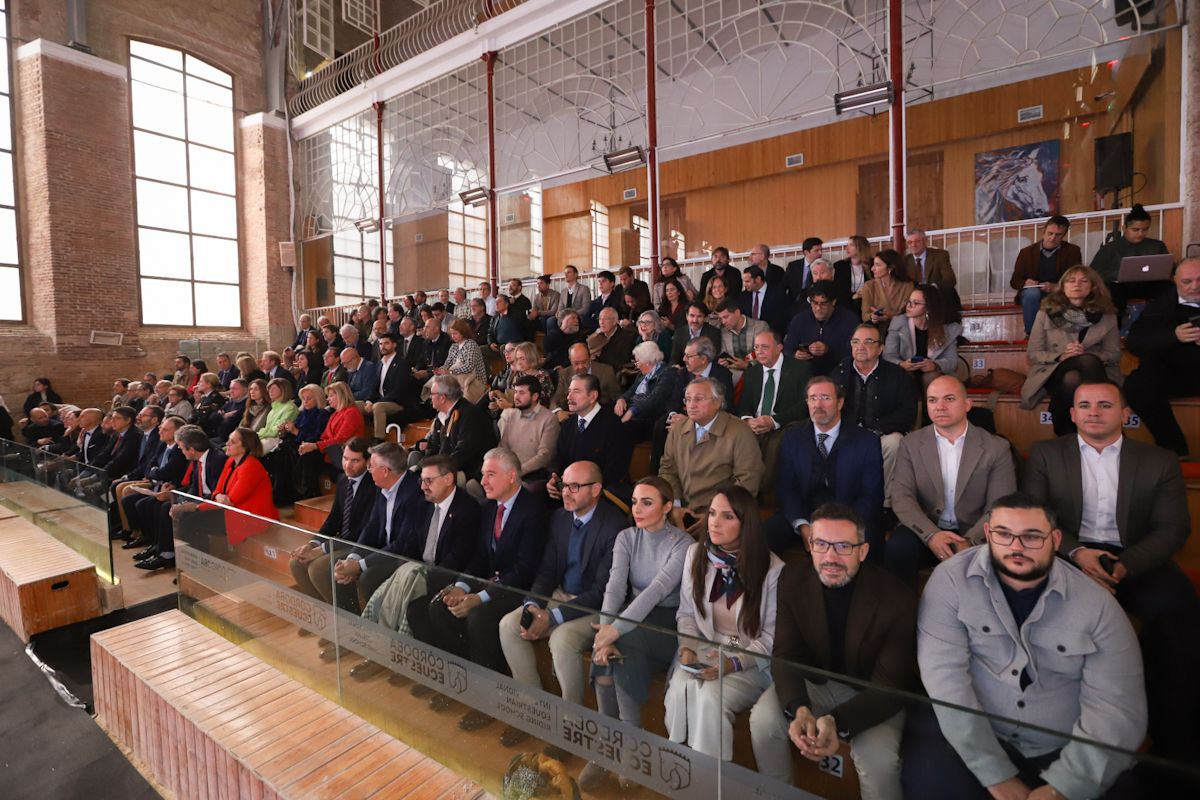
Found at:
(885, 296)
(1074, 340)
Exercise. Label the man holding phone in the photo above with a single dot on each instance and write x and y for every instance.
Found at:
(946, 476)
(1166, 337)
(1038, 267)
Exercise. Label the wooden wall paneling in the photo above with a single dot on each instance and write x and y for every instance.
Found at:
(317, 261)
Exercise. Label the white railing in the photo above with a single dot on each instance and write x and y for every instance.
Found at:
(982, 255)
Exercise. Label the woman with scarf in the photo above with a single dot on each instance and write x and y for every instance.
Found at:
(727, 597)
(1074, 340)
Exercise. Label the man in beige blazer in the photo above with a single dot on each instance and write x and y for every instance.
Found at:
(582, 363)
(946, 476)
(711, 448)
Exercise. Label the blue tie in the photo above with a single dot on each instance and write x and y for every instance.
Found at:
(699, 434)
(582, 424)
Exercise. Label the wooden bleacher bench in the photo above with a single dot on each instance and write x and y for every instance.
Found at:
(43, 583)
(208, 719)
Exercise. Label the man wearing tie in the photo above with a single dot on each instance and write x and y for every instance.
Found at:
(764, 300)
(204, 468)
(931, 265)
(799, 272)
(772, 396)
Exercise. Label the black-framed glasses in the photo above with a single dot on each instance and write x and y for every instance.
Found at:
(426, 481)
(1029, 541)
(858, 342)
(575, 487)
(841, 548)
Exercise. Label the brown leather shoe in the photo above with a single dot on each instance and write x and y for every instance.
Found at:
(473, 720)
(513, 736)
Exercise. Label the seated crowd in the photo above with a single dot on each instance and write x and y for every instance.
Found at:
(798, 505)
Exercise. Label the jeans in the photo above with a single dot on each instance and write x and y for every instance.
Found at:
(1031, 301)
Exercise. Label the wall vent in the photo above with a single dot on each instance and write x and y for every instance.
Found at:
(794, 160)
(629, 194)
(1029, 114)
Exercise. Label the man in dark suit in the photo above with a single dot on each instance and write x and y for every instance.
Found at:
(635, 288)
(592, 433)
(398, 390)
(463, 618)
(166, 473)
(205, 463)
(397, 495)
(363, 376)
(773, 388)
(581, 363)
(774, 275)
(926, 264)
(721, 267)
(762, 300)
(226, 370)
(506, 326)
(353, 500)
(821, 331)
(272, 364)
(560, 338)
(437, 347)
(124, 449)
(697, 326)
(798, 276)
(610, 296)
(839, 614)
(1122, 508)
(150, 447)
(410, 346)
(301, 334)
(574, 570)
(823, 460)
(460, 430)
(1039, 266)
(1166, 339)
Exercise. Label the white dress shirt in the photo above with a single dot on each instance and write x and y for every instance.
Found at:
(440, 512)
(777, 370)
(384, 364)
(832, 435)
(949, 459)
(1100, 471)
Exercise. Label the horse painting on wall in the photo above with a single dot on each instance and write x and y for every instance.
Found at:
(1016, 183)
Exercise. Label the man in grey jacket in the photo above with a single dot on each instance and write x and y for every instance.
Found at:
(1008, 629)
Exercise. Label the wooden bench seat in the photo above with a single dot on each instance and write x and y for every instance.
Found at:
(43, 583)
(209, 720)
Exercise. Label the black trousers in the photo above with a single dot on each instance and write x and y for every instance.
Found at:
(907, 555)
(1062, 385)
(1150, 389)
(475, 637)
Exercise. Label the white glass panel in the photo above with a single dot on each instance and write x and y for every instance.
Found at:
(215, 259)
(6, 179)
(197, 67)
(5, 124)
(213, 95)
(8, 236)
(164, 255)
(157, 109)
(214, 214)
(347, 244)
(218, 305)
(166, 302)
(162, 206)
(159, 157)
(209, 124)
(4, 65)
(212, 169)
(10, 293)
(344, 267)
(153, 75)
(163, 55)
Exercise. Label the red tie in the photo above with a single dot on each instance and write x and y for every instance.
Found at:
(756, 305)
(499, 526)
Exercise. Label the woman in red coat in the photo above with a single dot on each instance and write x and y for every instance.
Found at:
(245, 485)
(345, 423)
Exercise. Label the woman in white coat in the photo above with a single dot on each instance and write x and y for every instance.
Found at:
(727, 597)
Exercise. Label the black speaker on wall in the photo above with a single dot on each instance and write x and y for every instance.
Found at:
(1114, 162)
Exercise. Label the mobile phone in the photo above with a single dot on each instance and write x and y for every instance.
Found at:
(724, 357)
(527, 618)
(689, 519)
(917, 359)
(695, 666)
(1108, 563)
(1195, 320)
(878, 312)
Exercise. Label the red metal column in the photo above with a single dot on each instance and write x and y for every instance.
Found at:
(378, 106)
(896, 143)
(489, 58)
(652, 208)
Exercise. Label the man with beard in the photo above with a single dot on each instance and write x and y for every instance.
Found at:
(845, 616)
(1010, 630)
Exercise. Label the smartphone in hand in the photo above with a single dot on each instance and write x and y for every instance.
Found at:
(695, 666)
(527, 618)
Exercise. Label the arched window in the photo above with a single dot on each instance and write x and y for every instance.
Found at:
(186, 178)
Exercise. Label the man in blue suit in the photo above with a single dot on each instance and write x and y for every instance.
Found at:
(363, 376)
(761, 299)
(824, 460)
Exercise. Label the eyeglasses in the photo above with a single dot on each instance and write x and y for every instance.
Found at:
(820, 303)
(1029, 541)
(427, 481)
(841, 548)
(914, 302)
(575, 487)
(819, 398)
(858, 342)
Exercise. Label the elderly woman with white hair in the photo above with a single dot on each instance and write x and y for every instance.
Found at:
(647, 398)
(650, 329)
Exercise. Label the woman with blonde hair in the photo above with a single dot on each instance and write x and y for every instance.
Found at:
(1074, 340)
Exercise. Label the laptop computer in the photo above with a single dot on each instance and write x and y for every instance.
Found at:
(1139, 269)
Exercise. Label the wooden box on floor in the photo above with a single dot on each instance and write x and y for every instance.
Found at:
(43, 583)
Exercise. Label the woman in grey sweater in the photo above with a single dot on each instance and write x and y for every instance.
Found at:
(643, 586)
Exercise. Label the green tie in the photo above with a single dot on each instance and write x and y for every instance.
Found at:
(768, 398)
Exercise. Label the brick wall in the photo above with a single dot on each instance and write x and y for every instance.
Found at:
(76, 194)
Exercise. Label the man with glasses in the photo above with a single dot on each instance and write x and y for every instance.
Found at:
(880, 396)
(698, 362)
(822, 461)
(947, 475)
(574, 571)
(820, 334)
(1122, 505)
(825, 620)
(460, 429)
(772, 397)
(1008, 629)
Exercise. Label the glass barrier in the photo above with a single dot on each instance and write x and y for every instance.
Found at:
(392, 640)
(63, 497)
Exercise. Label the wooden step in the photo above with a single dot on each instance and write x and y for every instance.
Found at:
(1001, 323)
(209, 720)
(311, 513)
(43, 583)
